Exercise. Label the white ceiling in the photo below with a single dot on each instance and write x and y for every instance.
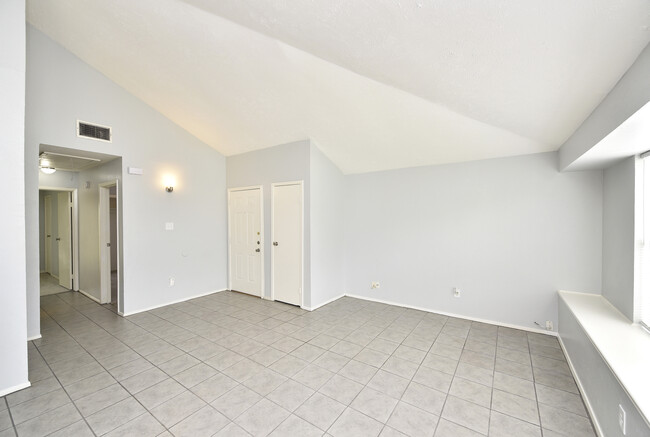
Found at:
(377, 84)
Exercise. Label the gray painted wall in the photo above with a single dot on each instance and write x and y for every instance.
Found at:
(618, 236)
(13, 344)
(283, 163)
(61, 89)
(508, 232)
(59, 179)
(327, 228)
(601, 387)
(629, 94)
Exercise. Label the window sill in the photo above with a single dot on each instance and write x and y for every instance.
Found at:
(624, 346)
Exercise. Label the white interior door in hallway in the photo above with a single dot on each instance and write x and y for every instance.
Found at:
(246, 242)
(64, 238)
(287, 236)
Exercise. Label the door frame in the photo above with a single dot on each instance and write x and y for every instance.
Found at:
(104, 223)
(302, 237)
(47, 221)
(74, 234)
(262, 245)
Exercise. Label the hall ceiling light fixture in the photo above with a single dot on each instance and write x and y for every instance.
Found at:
(45, 165)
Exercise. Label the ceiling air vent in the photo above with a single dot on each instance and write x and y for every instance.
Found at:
(94, 131)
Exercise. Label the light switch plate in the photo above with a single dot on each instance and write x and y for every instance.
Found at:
(169, 226)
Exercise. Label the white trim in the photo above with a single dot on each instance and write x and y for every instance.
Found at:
(47, 220)
(90, 296)
(302, 237)
(583, 393)
(110, 131)
(262, 245)
(125, 314)
(10, 390)
(603, 330)
(75, 232)
(459, 316)
(34, 337)
(104, 223)
(323, 304)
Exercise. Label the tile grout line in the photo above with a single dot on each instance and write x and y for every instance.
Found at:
(64, 390)
(101, 365)
(306, 325)
(452, 381)
(11, 416)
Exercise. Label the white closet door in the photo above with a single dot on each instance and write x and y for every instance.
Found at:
(287, 250)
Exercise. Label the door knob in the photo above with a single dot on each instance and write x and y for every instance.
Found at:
(275, 243)
(257, 250)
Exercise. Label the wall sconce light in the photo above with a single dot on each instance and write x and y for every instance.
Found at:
(169, 183)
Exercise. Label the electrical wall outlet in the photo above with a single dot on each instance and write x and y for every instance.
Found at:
(621, 418)
(456, 292)
(549, 325)
(172, 281)
(374, 284)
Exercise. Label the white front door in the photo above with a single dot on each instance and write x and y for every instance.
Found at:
(245, 240)
(64, 215)
(287, 243)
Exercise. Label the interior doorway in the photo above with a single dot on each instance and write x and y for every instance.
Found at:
(109, 243)
(57, 240)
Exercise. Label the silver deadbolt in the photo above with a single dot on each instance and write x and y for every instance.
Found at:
(257, 250)
(258, 242)
(275, 243)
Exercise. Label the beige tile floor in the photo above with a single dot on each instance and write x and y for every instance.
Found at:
(229, 365)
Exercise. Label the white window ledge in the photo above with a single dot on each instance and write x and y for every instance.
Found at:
(624, 346)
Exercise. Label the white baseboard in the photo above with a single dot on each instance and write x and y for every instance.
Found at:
(460, 316)
(9, 390)
(130, 313)
(590, 409)
(90, 296)
(324, 303)
(34, 337)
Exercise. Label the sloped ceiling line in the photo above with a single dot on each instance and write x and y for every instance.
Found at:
(377, 84)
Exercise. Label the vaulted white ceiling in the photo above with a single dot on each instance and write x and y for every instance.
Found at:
(378, 84)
